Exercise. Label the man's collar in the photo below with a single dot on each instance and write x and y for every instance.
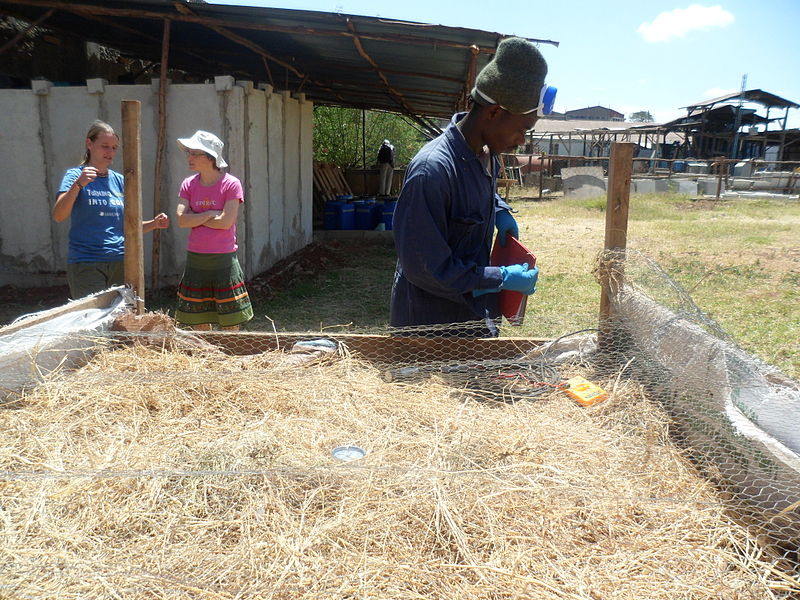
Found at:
(455, 134)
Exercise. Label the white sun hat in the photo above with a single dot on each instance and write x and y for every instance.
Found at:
(207, 142)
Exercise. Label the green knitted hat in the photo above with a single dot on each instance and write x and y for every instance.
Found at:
(513, 78)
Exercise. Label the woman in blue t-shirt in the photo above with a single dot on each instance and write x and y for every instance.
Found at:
(92, 196)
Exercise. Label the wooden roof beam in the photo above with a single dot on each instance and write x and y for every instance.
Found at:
(456, 80)
(111, 24)
(469, 80)
(395, 95)
(150, 40)
(258, 50)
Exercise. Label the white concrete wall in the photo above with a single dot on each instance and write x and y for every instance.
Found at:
(268, 145)
(26, 230)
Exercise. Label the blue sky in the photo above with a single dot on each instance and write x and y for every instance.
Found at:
(627, 55)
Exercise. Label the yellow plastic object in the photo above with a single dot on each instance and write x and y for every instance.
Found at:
(584, 391)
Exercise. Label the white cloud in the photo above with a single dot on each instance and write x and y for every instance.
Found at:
(677, 23)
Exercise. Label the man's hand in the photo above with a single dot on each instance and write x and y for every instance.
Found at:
(506, 224)
(518, 278)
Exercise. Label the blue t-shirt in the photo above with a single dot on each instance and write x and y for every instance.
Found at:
(96, 231)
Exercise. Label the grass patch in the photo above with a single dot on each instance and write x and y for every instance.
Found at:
(738, 259)
(594, 204)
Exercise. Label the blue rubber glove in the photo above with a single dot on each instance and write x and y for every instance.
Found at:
(506, 224)
(518, 278)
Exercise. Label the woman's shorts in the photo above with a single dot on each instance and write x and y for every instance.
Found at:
(86, 278)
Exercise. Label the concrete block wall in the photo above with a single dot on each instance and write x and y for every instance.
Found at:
(653, 186)
(268, 145)
(688, 187)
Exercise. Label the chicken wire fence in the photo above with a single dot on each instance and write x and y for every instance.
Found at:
(646, 458)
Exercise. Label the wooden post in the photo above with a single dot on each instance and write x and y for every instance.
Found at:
(620, 169)
(132, 169)
(162, 125)
(782, 147)
(365, 191)
(720, 163)
(541, 174)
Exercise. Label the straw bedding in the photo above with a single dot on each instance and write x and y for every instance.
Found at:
(152, 473)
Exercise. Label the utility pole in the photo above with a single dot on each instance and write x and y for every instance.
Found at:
(738, 123)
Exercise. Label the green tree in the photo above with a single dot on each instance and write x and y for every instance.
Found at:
(641, 116)
(338, 136)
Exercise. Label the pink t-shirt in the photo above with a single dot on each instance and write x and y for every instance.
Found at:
(201, 198)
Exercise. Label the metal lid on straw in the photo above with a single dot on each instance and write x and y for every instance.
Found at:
(348, 453)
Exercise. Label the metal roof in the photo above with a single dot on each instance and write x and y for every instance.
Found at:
(581, 125)
(364, 62)
(562, 128)
(716, 119)
(758, 96)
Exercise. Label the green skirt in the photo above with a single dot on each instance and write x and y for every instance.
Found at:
(212, 290)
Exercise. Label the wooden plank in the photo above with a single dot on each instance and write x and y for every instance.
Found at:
(343, 182)
(327, 180)
(132, 169)
(319, 183)
(333, 180)
(381, 348)
(333, 183)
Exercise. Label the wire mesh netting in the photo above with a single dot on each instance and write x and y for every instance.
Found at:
(648, 458)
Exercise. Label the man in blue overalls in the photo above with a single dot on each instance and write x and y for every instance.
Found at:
(447, 210)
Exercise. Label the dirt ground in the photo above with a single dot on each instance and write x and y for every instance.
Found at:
(305, 263)
(15, 302)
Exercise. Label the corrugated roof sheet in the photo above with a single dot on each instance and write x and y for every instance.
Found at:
(716, 119)
(758, 96)
(583, 125)
(348, 60)
(590, 128)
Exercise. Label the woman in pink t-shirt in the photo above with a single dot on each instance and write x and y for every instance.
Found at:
(212, 289)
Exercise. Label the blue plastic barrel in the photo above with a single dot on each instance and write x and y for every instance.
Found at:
(371, 205)
(388, 212)
(378, 216)
(377, 213)
(347, 216)
(332, 210)
(365, 212)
